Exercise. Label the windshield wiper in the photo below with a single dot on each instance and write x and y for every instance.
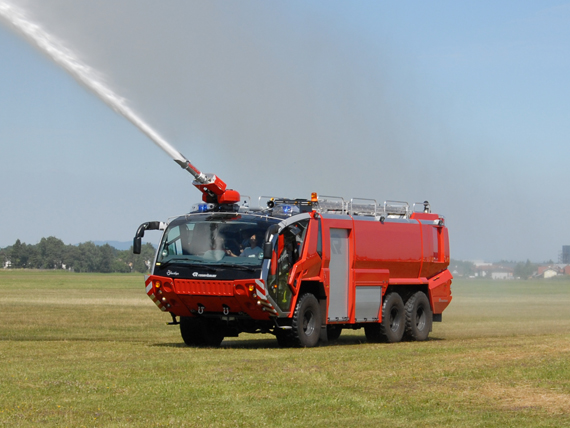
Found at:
(191, 263)
(239, 267)
(169, 261)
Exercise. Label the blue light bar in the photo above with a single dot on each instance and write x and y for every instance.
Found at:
(286, 209)
(202, 207)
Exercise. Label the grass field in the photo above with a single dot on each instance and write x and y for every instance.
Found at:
(93, 350)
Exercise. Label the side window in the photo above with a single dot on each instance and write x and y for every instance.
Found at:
(177, 241)
(300, 231)
(173, 245)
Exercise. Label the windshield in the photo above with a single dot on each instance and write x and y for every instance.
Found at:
(215, 239)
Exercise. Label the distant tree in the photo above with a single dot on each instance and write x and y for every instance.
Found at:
(139, 262)
(16, 253)
(50, 253)
(4, 256)
(525, 270)
(105, 258)
(72, 257)
(462, 267)
(22, 255)
(83, 257)
(90, 256)
(120, 266)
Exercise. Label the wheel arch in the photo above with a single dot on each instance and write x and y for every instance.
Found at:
(408, 290)
(316, 288)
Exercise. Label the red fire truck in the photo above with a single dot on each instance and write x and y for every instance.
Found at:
(301, 269)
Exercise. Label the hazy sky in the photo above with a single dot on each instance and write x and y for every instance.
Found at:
(465, 104)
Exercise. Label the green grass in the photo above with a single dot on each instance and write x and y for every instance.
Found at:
(93, 350)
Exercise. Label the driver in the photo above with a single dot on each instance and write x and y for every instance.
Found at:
(252, 251)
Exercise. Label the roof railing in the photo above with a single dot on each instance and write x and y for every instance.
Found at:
(424, 207)
(337, 205)
(364, 206)
(331, 204)
(396, 209)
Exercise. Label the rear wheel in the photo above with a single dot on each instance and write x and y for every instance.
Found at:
(307, 321)
(419, 317)
(392, 328)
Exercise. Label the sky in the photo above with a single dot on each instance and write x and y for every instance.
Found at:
(464, 104)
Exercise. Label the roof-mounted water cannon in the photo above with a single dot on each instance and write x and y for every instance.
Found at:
(286, 206)
(213, 189)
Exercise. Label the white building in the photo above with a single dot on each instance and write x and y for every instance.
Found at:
(501, 275)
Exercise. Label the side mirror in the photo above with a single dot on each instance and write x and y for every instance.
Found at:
(267, 250)
(272, 230)
(267, 245)
(137, 243)
(151, 225)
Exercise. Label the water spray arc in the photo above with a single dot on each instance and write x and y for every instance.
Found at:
(213, 189)
(300, 269)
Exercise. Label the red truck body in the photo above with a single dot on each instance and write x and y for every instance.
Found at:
(323, 268)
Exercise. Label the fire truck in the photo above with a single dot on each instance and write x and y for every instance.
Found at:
(300, 269)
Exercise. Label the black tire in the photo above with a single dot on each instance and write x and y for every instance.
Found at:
(284, 338)
(199, 332)
(393, 324)
(372, 332)
(191, 331)
(212, 334)
(333, 332)
(307, 321)
(419, 317)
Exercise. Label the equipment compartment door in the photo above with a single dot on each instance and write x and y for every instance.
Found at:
(339, 270)
(367, 303)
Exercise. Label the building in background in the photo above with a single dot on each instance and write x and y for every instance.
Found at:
(565, 256)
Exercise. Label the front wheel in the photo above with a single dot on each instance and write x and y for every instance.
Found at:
(199, 332)
(307, 321)
(191, 331)
(212, 333)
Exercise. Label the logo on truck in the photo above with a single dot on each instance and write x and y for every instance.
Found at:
(204, 275)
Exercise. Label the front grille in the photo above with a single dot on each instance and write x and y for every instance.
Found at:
(203, 288)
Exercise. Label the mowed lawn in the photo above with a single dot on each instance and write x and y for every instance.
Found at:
(93, 350)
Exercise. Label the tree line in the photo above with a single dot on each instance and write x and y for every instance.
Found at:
(52, 253)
